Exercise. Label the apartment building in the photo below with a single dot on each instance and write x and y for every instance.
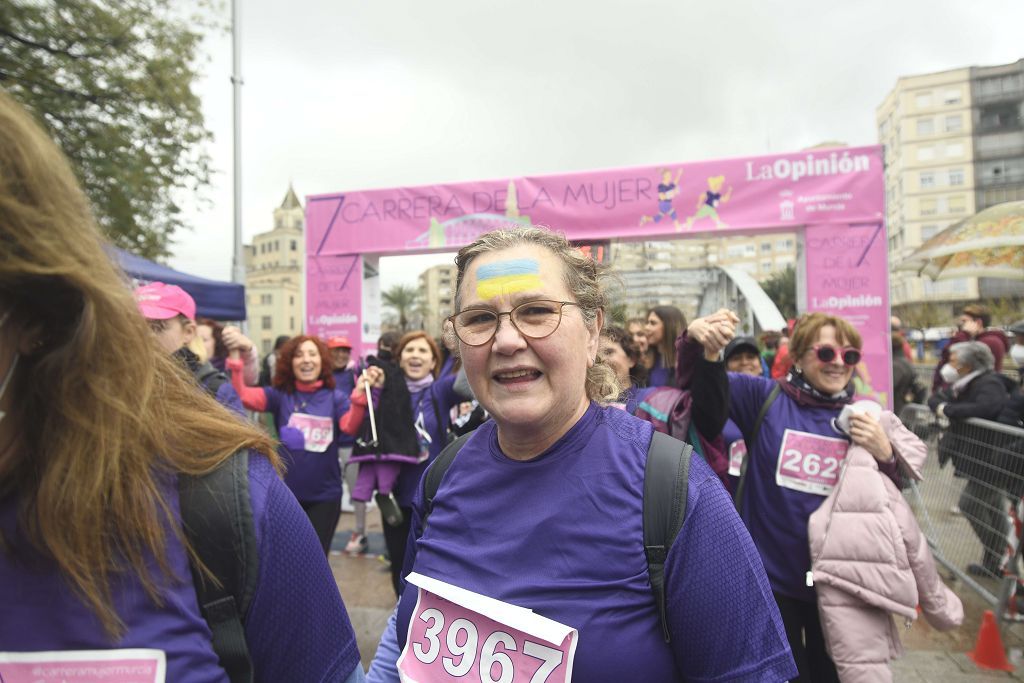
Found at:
(274, 284)
(954, 145)
(437, 291)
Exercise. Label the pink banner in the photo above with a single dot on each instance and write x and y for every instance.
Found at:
(816, 186)
(333, 296)
(835, 189)
(848, 275)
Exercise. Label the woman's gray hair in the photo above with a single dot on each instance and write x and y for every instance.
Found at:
(974, 354)
(583, 276)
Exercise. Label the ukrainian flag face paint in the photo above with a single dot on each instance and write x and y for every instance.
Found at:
(507, 277)
(529, 386)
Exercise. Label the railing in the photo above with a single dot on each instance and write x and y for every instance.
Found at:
(969, 504)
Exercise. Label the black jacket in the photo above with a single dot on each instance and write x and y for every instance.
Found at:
(906, 388)
(395, 427)
(977, 453)
(983, 398)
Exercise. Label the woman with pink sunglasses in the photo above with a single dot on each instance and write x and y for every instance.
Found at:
(798, 432)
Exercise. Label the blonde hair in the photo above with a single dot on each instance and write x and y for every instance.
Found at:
(582, 275)
(103, 415)
(197, 347)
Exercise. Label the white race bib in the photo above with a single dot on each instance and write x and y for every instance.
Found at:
(84, 666)
(737, 451)
(317, 432)
(458, 634)
(810, 462)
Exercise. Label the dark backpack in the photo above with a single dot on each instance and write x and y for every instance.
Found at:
(665, 490)
(216, 515)
(210, 378)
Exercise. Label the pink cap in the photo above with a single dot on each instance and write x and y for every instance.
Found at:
(159, 301)
(339, 343)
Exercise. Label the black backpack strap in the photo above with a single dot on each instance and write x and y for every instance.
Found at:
(750, 440)
(216, 514)
(210, 378)
(666, 481)
(437, 419)
(434, 475)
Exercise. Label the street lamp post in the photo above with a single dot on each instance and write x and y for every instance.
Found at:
(238, 262)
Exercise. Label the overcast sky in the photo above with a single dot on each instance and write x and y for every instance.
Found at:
(342, 95)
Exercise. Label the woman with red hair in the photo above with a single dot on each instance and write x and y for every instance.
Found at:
(306, 408)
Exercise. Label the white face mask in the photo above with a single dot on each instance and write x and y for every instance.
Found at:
(949, 374)
(1017, 354)
(10, 370)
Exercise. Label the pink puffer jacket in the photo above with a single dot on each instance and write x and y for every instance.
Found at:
(870, 560)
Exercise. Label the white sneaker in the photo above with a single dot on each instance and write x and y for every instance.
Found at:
(357, 544)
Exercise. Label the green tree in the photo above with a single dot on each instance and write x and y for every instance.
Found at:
(404, 300)
(112, 80)
(781, 289)
(1004, 310)
(922, 315)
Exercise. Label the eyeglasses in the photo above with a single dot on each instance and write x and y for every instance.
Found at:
(827, 353)
(533, 319)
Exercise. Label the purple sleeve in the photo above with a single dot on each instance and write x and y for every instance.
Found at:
(746, 396)
(297, 627)
(273, 401)
(444, 389)
(723, 619)
(891, 470)
(228, 397)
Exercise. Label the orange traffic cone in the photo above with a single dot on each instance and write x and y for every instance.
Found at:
(989, 652)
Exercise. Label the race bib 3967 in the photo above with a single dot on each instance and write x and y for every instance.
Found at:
(456, 634)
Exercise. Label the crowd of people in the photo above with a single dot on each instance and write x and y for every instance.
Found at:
(668, 500)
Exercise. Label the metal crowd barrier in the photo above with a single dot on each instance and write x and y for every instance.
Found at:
(970, 506)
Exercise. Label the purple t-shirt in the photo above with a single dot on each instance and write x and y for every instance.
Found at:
(562, 535)
(731, 434)
(297, 628)
(659, 375)
(777, 516)
(313, 476)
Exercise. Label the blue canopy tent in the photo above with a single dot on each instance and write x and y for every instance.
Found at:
(214, 299)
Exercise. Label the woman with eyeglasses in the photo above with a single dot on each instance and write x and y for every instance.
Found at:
(795, 455)
(540, 513)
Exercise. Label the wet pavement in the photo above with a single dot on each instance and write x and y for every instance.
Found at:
(365, 584)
